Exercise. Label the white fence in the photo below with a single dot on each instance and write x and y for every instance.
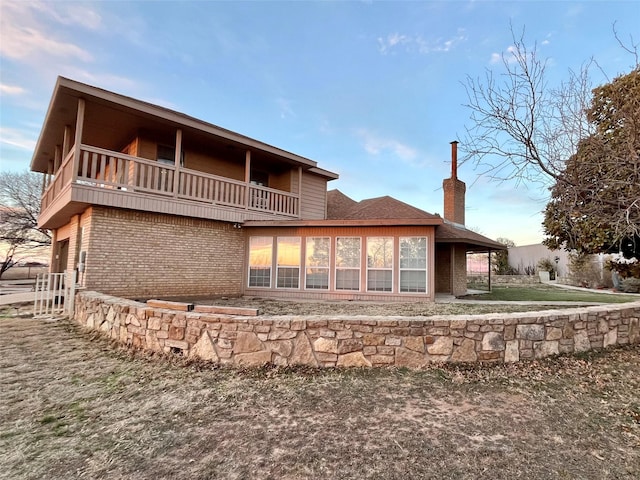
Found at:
(54, 294)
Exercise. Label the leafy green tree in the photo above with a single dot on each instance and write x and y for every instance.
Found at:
(595, 202)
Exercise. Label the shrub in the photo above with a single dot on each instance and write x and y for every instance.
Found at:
(585, 271)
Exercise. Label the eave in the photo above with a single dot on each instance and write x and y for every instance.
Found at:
(400, 222)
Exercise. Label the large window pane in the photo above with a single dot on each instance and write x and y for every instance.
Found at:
(317, 263)
(380, 264)
(413, 281)
(288, 262)
(348, 252)
(380, 280)
(260, 259)
(413, 252)
(348, 279)
(413, 265)
(348, 263)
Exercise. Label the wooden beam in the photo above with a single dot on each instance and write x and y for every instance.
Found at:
(57, 158)
(247, 177)
(300, 192)
(78, 138)
(66, 141)
(177, 161)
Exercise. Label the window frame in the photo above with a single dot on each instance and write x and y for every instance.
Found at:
(338, 269)
(250, 266)
(309, 267)
(402, 269)
(279, 267)
(389, 269)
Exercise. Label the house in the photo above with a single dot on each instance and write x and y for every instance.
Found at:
(147, 202)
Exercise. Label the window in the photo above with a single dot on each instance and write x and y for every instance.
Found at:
(258, 177)
(260, 259)
(288, 264)
(379, 264)
(413, 265)
(348, 263)
(317, 263)
(166, 154)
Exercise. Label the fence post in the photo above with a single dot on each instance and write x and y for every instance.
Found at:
(70, 292)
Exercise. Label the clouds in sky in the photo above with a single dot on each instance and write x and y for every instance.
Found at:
(417, 43)
(379, 145)
(16, 138)
(6, 89)
(371, 90)
(29, 32)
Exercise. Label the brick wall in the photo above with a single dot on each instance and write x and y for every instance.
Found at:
(443, 268)
(454, 200)
(138, 254)
(364, 341)
(459, 256)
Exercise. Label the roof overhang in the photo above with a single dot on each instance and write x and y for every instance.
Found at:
(63, 107)
(450, 232)
(402, 222)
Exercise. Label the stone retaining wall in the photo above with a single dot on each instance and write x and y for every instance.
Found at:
(360, 340)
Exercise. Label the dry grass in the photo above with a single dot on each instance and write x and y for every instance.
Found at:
(76, 406)
(267, 306)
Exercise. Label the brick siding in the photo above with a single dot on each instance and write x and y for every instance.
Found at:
(137, 254)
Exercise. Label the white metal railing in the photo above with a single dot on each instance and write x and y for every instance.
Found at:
(54, 294)
(107, 169)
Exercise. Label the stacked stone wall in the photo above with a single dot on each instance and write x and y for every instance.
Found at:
(360, 341)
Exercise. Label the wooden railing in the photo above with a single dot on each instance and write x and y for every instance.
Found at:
(101, 168)
(55, 185)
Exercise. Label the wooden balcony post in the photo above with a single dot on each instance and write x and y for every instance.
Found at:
(66, 141)
(178, 158)
(247, 178)
(78, 139)
(299, 192)
(57, 159)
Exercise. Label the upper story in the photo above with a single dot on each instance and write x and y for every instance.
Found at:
(101, 148)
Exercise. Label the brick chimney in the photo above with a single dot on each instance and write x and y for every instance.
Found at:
(454, 191)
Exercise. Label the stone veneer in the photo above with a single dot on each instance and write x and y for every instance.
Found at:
(360, 340)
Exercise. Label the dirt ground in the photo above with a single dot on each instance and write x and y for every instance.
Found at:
(73, 405)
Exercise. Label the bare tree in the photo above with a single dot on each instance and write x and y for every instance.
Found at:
(523, 129)
(19, 210)
(581, 142)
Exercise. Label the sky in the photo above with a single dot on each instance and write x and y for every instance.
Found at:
(373, 91)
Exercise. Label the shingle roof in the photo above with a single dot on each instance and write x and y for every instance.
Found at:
(387, 211)
(454, 233)
(339, 206)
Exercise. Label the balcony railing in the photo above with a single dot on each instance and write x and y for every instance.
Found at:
(105, 169)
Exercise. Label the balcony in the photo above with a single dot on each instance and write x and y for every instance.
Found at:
(104, 177)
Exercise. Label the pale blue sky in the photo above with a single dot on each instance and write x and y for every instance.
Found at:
(370, 90)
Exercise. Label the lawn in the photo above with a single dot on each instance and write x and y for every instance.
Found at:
(76, 406)
(547, 293)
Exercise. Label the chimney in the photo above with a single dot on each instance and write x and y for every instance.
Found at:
(454, 191)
